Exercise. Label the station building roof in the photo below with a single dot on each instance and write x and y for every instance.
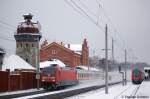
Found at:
(13, 62)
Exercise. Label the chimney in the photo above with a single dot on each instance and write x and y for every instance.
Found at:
(68, 45)
(44, 44)
(61, 43)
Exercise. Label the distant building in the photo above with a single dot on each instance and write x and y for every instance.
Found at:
(27, 39)
(71, 54)
(2, 53)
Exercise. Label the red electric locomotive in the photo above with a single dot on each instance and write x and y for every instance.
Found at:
(54, 76)
(137, 75)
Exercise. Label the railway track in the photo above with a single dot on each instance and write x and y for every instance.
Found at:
(53, 95)
(21, 94)
(133, 94)
(133, 89)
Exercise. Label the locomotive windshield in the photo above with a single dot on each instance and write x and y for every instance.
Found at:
(136, 72)
(50, 70)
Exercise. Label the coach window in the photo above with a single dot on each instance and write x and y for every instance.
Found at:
(21, 45)
(17, 45)
(26, 45)
(32, 45)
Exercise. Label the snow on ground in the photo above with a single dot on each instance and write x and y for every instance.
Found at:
(144, 91)
(119, 92)
(114, 92)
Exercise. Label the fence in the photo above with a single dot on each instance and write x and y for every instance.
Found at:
(19, 81)
(4, 79)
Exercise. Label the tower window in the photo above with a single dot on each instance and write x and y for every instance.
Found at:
(27, 60)
(1, 63)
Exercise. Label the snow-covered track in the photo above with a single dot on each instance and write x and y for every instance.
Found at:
(133, 94)
(21, 94)
(116, 97)
(129, 92)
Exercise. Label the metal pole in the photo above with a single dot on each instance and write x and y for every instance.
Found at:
(106, 63)
(113, 51)
(125, 67)
(37, 65)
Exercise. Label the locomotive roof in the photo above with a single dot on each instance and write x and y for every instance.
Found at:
(147, 68)
(90, 68)
(51, 62)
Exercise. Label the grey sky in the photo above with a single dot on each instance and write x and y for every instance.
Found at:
(60, 22)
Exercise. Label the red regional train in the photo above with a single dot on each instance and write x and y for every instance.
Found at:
(56, 75)
(137, 76)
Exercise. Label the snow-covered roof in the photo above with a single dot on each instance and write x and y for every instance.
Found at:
(51, 62)
(29, 33)
(32, 25)
(2, 51)
(77, 48)
(88, 68)
(15, 62)
(148, 68)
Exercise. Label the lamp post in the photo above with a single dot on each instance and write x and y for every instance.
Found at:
(106, 63)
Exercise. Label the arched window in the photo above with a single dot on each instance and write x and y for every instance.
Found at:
(27, 60)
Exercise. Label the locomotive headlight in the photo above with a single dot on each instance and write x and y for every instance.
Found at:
(43, 80)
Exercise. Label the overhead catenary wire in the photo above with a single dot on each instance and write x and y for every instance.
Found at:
(113, 26)
(4, 23)
(98, 25)
(6, 38)
(115, 30)
(6, 28)
(85, 14)
(71, 5)
(80, 1)
(89, 17)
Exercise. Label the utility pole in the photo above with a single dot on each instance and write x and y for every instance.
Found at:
(106, 63)
(125, 66)
(113, 51)
(37, 65)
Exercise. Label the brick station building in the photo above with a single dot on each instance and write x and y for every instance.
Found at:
(71, 54)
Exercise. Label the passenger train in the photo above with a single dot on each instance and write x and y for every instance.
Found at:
(56, 74)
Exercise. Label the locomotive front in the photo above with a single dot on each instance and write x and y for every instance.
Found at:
(49, 76)
(137, 76)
